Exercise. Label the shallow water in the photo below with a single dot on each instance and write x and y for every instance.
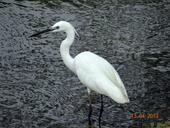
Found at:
(38, 91)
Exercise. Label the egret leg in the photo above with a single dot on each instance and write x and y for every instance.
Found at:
(90, 108)
(101, 110)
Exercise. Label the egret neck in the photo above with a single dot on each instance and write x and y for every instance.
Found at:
(65, 47)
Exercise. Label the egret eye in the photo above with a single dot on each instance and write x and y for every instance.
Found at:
(57, 27)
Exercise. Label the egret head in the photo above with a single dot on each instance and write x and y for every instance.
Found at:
(61, 26)
(57, 27)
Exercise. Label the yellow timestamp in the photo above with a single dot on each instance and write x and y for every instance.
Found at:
(145, 115)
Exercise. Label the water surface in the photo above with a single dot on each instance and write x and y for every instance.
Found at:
(38, 91)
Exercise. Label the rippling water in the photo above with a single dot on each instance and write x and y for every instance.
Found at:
(38, 91)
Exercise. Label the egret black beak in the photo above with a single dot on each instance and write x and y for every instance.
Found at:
(41, 32)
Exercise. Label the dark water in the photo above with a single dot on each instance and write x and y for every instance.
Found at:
(38, 91)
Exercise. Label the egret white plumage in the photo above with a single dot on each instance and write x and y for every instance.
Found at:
(94, 72)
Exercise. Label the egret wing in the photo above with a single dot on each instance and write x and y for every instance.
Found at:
(93, 65)
(112, 75)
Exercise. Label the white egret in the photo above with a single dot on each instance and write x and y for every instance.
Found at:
(92, 70)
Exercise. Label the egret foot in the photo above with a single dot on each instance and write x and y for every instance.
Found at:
(89, 116)
(90, 110)
(101, 110)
